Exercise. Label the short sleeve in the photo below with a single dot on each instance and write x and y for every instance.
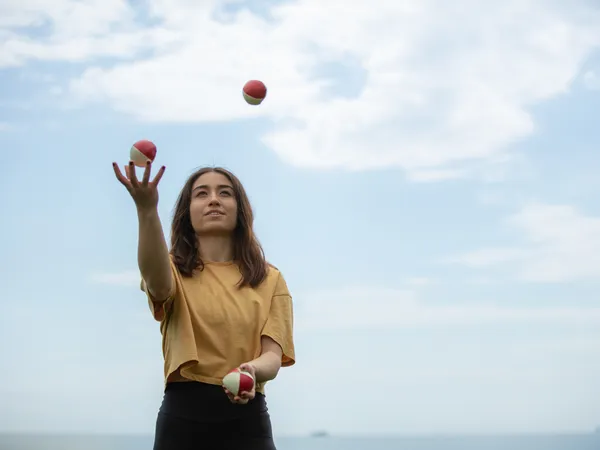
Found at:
(159, 310)
(280, 322)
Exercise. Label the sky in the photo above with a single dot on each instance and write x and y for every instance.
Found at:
(423, 173)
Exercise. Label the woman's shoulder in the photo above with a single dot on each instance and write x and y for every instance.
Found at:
(272, 267)
(276, 280)
(273, 272)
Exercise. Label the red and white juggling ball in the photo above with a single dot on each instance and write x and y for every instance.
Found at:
(238, 381)
(254, 92)
(142, 152)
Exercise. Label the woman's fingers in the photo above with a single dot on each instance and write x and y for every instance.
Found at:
(124, 181)
(146, 177)
(229, 394)
(131, 174)
(127, 172)
(234, 398)
(130, 178)
(158, 176)
(240, 400)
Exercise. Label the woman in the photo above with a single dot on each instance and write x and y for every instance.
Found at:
(220, 306)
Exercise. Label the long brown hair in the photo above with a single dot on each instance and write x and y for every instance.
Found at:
(247, 250)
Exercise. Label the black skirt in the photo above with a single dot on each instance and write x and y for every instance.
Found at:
(199, 416)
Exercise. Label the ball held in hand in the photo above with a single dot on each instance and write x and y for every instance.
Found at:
(254, 92)
(141, 152)
(238, 381)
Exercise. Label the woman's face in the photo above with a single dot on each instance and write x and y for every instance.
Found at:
(213, 209)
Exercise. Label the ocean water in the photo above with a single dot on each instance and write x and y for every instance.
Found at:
(535, 442)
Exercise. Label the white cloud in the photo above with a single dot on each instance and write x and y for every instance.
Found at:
(78, 31)
(561, 244)
(370, 308)
(447, 84)
(126, 278)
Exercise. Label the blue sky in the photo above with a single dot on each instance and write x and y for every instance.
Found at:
(425, 178)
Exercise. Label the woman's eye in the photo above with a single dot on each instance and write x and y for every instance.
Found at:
(226, 193)
(201, 194)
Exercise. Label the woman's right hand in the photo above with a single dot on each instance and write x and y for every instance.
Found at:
(144, 192)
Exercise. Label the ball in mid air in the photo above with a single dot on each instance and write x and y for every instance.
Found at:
(254, 92)
(141, 152)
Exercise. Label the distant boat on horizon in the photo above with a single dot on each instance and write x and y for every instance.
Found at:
(320, 433)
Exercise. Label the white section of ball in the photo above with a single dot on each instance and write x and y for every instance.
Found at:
(233, 380)
(138, 158)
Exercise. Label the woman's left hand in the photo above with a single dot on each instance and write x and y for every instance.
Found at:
(244, 397)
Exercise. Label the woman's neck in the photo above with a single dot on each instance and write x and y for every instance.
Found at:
(216, 248)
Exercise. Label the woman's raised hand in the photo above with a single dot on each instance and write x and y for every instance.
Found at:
(144, 192)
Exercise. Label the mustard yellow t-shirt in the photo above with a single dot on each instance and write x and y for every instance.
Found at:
(209, 325)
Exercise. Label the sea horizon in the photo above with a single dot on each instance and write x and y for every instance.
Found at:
(57, 440)
(328, 434)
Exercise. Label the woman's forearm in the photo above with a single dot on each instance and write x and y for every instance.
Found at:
(266, 366)
(153, 254)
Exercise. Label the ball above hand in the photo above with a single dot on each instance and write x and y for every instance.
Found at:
(141, 152)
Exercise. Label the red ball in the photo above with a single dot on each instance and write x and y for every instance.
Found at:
(254, 92)
(141, 152)
(238, 381)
